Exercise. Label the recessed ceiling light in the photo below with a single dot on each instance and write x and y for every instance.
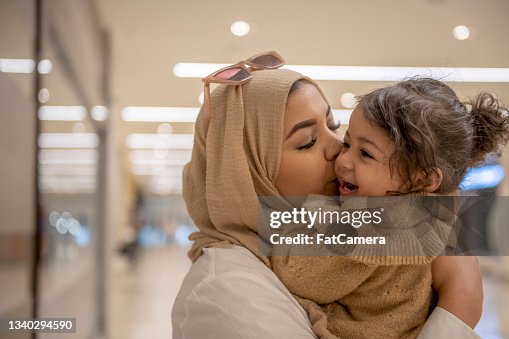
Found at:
(45, 66)
(164, 130)
(348, 100)
(78, 127)
(240, 28)
(43, 95)
(99, 113)
(461, 32)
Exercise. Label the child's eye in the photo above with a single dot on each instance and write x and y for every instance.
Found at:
(308, 145)
(366, 154)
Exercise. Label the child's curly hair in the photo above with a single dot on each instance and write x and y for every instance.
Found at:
(433, 130)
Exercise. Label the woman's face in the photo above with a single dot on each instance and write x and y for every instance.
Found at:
(311, 144)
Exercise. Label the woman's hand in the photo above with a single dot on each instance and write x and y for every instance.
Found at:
(458, 282)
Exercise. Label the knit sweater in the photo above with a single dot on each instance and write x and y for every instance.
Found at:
(367, 294)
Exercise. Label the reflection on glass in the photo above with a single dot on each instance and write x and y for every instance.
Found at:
(17, 141)
(69, 166)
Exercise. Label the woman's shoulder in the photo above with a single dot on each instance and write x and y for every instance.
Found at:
(233, 294)
(234, 271)
(228, 263)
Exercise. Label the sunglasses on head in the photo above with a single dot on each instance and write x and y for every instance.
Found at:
(240, 73)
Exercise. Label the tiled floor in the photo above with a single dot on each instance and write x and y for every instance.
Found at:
(142, 296)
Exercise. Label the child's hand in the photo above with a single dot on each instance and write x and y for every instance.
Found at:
(459, 285)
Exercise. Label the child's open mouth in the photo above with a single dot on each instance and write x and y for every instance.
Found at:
(347, 188)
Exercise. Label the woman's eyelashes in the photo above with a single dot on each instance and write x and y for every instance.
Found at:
(308, 145)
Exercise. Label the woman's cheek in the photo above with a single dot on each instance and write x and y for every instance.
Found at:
(302, 173)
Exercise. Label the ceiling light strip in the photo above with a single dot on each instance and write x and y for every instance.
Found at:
(189, 114)
(160, 141)
(366, 73)
(62, 113)
(160, 114)
(25, 66)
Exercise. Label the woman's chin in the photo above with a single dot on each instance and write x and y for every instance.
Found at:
(332, 189)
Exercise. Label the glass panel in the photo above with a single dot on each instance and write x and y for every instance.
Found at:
(69, 166)
(17, 149)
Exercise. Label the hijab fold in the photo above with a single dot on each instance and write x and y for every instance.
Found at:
(235, 159)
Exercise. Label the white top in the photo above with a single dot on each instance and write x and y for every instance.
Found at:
(229, 293)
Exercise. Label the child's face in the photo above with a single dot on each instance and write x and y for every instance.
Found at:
(362, 167)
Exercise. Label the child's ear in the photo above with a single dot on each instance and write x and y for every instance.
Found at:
(429, 182)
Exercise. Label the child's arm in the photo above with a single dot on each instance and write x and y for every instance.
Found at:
(459, 286)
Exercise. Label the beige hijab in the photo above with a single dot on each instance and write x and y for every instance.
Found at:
(236, 160)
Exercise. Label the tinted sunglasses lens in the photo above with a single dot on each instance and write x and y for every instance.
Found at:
(234, 74)
(267, 60)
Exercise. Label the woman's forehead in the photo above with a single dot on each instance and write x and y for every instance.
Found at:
(305, 103)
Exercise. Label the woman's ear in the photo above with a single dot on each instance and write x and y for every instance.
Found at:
(429, 181)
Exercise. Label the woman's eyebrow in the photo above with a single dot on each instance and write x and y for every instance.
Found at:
(301, 125)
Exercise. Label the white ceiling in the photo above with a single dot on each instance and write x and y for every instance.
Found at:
(149, 37)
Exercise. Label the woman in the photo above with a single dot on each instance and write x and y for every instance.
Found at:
(256, 142)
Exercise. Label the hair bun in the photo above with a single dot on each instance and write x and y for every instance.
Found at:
(491, 125)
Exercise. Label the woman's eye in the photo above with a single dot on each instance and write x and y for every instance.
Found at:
(366, 154)
(346, 144)
(308, 145)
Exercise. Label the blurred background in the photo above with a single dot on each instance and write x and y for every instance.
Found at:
(98, 100)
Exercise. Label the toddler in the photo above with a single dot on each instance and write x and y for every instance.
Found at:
(414, 138)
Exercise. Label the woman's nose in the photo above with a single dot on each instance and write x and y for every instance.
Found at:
(334, 148)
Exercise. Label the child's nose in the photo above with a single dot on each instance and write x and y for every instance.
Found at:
(343, 162)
